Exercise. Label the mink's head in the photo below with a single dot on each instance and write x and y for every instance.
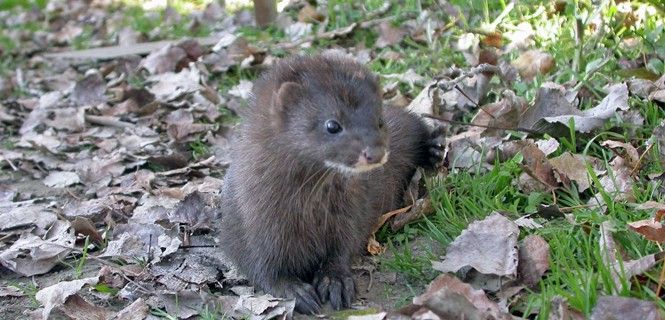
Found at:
(328, 109)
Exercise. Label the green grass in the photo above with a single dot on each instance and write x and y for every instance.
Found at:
(577, 271)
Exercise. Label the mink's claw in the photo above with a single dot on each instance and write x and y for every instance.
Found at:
(337, 287)
(436, 146)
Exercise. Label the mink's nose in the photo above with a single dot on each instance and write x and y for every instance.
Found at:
(372, 155)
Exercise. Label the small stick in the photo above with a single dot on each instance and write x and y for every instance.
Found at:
(661, 278)
(431, 116)
(639, 161)
(202, 163)
(107, 121)
(448, 85)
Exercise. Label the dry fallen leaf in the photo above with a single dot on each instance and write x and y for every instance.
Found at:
(32, 255)
(78, 308)
(553, 110)
(574, 168)
(389, 35)
(534, 62)
(164, 60)
(265, 307)
(560, 310)
(55, 296)
(493, 242)
(613, 307)
(450, 298)
(534, 254)
(630, 154)
(618, 269)
(89, 90)
(138, 310)
(61, 179)
(652, 229)
(309, 14)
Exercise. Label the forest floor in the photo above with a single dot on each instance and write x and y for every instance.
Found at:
(115, 123)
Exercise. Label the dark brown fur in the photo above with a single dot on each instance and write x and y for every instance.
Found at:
(291, 223)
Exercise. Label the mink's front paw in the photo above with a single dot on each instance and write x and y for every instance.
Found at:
(337, 286)
(307, 301)
(436, 145)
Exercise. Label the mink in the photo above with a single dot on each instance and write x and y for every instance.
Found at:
(317, 160)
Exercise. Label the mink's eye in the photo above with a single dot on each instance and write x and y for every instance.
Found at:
(333, 126)
(381, 123)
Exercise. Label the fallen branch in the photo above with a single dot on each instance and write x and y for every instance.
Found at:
(107, 121)
(370, 21)
(202, 163)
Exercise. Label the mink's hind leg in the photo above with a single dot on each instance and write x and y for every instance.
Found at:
(335, 283)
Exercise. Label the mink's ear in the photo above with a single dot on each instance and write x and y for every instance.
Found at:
(288, 94)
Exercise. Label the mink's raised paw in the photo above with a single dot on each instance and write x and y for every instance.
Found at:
(436, 147)
(338, 287)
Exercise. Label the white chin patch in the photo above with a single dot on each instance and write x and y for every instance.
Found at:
(358, 168)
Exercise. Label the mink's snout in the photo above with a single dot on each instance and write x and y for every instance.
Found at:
(371, 155)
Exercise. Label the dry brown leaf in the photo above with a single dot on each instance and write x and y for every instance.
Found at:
(548, 146)
(90, 90)
(78, 309)
(650, 205)
(164, 60)
(494, 243)
(138, 310)
(621, 269)
(535, 163)
(32, 255)
(389, 35)
(613, 307)
(309, 14)
(553, 110)
(573, 167)
(55, 296)
(500, 115)
(493, 39)
(421, 208)
(450, 298)
(10, 291)
(630, 154)
(534, 260)
(534, 62)
(85, 227)
(265, 307)
(376, 316)
(61, 179)
(560, 310)
(169, 86)
(374, 247)
(651, 229)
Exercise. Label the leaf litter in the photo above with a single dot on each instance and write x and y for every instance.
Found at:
(117, 154)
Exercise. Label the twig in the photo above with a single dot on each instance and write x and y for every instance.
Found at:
(11, 164)
(431, 116)
(569, 209)
(20, 203)
(447, 85)
(661, 278)
(369, 22)
(73, 195)
(639, 161)
(107, 121)
(202, 163)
